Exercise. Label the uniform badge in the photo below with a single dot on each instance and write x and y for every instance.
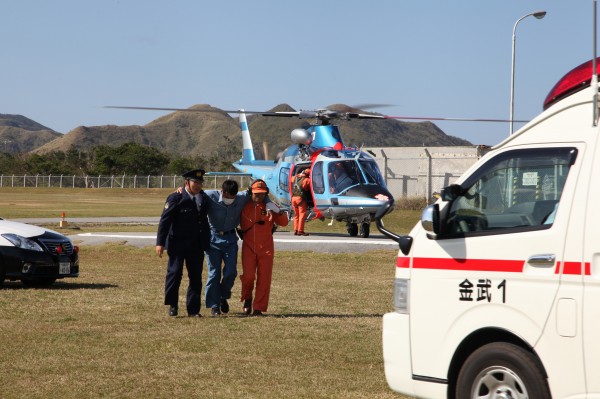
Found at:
(166, 205)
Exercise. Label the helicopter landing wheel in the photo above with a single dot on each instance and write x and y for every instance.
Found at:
(365, 229)
(352, 229)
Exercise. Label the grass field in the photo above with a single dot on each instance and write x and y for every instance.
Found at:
(18, 203)
(79, 202)
(107, 334)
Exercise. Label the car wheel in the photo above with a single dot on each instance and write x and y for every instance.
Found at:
(501, 370)
(39, 282)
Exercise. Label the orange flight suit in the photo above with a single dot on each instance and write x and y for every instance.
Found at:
(258, 251)
(300, 206)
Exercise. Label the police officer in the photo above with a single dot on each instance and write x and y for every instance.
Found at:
(184, 231)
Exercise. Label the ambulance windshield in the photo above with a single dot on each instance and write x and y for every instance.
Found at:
(517, 189)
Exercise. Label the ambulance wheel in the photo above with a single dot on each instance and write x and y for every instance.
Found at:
(352, 229)
(365, 229)
(501, 370)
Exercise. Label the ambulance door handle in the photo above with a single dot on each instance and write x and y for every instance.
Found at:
(544, 260)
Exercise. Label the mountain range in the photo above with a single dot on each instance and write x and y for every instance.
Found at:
(215, 133)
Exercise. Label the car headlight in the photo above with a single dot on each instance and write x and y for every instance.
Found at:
(23, 242)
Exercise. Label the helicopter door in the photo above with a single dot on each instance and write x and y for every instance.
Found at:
(321, 196)
(284, 188)
(296, 169)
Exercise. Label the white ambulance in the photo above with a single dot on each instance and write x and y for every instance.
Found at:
(497, 290)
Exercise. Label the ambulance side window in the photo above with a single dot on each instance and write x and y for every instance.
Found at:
(516, 190)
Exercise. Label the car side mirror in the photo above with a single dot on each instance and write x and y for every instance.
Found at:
(430, 219)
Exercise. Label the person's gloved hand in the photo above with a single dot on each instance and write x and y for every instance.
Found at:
(271, 206)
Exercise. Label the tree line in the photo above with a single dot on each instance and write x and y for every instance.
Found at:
(127, 159)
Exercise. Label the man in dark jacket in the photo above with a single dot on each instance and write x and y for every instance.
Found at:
(184, 231)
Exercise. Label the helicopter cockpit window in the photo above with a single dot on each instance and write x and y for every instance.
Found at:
(318, 184)
(343, 174)
(372, 172)
(284, 174)
(518, 189)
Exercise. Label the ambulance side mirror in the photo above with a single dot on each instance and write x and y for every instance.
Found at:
(452, 192)
(430, 219)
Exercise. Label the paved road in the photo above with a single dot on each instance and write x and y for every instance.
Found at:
(284, 239)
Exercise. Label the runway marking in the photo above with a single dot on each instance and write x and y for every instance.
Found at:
(285, 240)
(347, 241)
(114, 235)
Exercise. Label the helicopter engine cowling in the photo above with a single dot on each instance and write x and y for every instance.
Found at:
(301, 136)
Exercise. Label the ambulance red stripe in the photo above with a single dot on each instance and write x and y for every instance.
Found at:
(487, 265)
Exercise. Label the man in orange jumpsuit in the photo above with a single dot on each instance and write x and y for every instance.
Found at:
(257, 221)
(300, 194)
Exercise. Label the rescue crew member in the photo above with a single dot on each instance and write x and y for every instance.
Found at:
(257, 222)
(184, 231)
(300, 196)
(224, 209)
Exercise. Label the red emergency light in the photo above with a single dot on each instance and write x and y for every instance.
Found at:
(575, 80)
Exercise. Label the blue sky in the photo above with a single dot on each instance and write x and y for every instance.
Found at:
(65, 59)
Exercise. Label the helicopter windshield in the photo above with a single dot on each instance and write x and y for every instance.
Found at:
(343, 174)
(347, 173)
(371, 171)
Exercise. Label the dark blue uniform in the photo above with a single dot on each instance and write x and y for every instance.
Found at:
(184, 231)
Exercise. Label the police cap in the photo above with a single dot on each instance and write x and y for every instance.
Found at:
(196, 175)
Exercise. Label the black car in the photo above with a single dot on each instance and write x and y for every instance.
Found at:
(35, 255)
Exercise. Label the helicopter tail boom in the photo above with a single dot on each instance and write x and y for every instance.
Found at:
(247, 151)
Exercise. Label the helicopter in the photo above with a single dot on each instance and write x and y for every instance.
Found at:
(345, 182)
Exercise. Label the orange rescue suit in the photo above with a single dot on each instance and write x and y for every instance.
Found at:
(258, 251)
(299, 204)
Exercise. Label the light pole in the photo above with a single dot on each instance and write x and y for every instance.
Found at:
(538, 15)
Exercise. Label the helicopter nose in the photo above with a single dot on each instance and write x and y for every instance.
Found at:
(370, 191)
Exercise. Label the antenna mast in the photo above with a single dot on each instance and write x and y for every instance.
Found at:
(594, 74)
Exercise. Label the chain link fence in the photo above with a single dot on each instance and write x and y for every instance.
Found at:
(409, 172)
(211, 181)
(421, 171)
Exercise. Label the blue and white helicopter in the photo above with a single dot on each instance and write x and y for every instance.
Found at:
(346, 183)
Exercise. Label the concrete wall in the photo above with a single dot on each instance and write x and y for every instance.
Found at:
(421, 171)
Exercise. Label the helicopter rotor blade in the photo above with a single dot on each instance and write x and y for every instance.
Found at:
(452, 119)
(352, 115)
(184, 109)
(372, 106)
(239, 111)
(323, 114)
(284, 114)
